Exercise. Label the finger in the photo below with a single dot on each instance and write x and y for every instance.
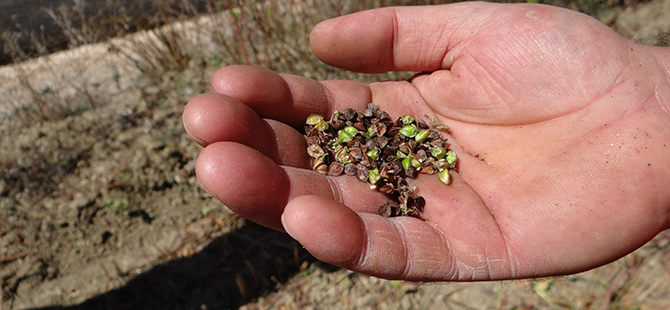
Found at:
(393, 248)
(255, 187)
(396, 38)
(369, 244)
(210, 118)
(288, 98)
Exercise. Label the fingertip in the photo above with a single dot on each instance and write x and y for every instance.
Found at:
(249, 84)
(198, 117)
(329, 230)
(361, 42)
(247, 182)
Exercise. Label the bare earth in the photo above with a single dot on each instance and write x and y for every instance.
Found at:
(102, 210)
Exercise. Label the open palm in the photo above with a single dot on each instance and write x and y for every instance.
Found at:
(561, 127)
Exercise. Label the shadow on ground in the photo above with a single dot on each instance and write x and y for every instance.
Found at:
(231, 271)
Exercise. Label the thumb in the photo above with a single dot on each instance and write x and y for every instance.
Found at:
(394, 38)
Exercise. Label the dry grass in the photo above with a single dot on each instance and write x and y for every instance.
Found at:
(180, 35)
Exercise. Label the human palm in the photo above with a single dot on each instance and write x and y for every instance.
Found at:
(558, 123)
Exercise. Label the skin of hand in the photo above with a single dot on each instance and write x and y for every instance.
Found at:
(562, 128)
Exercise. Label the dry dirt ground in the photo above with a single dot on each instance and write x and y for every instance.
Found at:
(101, 210)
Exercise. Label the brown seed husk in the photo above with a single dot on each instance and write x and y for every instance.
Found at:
(376, 130)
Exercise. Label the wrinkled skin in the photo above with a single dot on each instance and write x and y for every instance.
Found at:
(562, 128)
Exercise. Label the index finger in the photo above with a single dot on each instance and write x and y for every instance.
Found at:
(288, 98)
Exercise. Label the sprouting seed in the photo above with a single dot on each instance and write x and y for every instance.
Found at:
(409, 131)
(407, 119)
(375, 149)
(450, 157)
(373, 153)
(438, 152)
(422, 135)
(444, 176)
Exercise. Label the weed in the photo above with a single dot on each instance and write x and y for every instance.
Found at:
(119, 205)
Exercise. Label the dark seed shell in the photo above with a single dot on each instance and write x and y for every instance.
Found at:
(349, 114)
(321, 168)
(362, 173)
(335, 169)
(419, 203)
(412, 173)
(315, 151)
(385, 189)
(356, 153)
(387, 210)
(375, 130)
(350, 169)
(421, 154)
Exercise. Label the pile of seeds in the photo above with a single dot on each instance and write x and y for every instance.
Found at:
(370, 146)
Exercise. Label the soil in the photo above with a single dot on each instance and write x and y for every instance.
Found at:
(102, 210)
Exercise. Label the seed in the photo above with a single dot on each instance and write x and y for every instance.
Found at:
(373, 153)
(407, 119)
(393, 130)
(387, 210)
(345, 135)
(441, 164)
(450, 157)
(318, 122)
(373, 176)
(315, 151)
(320, 167)
(382, 142)
(350, 169)
(338, 123)
(385, 188)
(438, 152)
(419, 202)
(405, 148)
(444, 176)
(397, 139)
(342, 155)
(335, 169)
(422, 124)
(412, 172)
(385, 153)
(382, 115)
(428, 168)
(421, 154)
(436, 142)
(422, 135)
(371, 143)
(380, 129)
(406, 162)
(349, 114)
(362, 173)
(356, 153)
(409, 131)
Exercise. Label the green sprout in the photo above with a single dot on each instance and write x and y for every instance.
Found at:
(450, 157)
(438, 152)
(438, 125)
(317, 121)
(373, 176)
(347, 134)
(374, 154)
(409, 131)
(422, 135)
(444, 176)
(407, 119)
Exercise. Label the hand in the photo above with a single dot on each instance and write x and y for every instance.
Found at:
(562, 128)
